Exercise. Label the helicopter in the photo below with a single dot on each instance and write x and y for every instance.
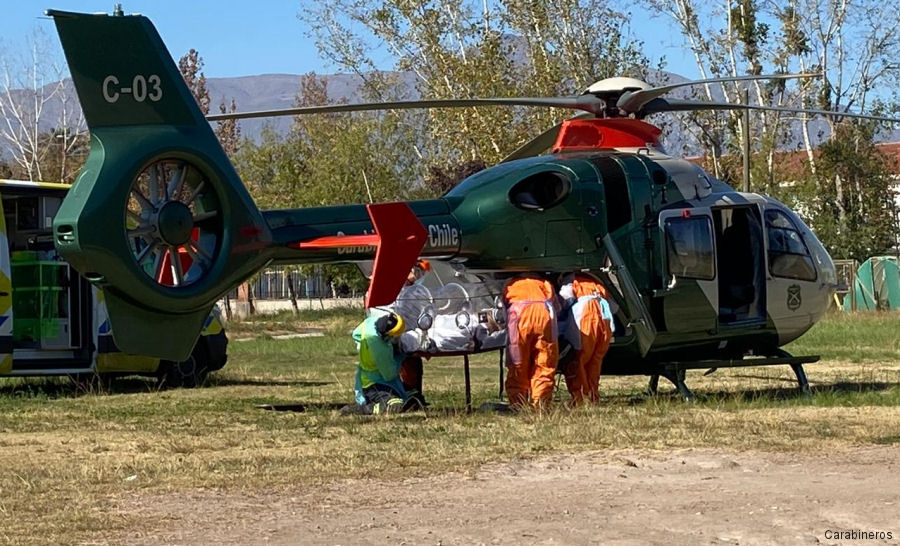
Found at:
(703, 276)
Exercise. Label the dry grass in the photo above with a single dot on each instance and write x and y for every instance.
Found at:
(70, 457)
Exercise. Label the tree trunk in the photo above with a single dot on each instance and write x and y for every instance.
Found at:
(839, 201)
(228, 311)
(292, 292)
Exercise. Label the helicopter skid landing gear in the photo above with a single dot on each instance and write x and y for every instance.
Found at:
(675, 371)
(676, 377)
(801, 378)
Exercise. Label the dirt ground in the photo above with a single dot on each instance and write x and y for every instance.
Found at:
(620, 498)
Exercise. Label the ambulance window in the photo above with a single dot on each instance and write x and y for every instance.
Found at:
(540, 191)
(689, 248)
(788, 255)
(27, 213)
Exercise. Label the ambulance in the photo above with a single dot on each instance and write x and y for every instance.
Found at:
(54, 322)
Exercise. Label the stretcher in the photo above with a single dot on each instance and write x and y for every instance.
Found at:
(447, 339)
(466, 372)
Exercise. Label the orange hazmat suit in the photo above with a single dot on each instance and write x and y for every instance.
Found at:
(590, 331)
(533, 350)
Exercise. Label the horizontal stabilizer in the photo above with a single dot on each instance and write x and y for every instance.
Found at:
(339, 241)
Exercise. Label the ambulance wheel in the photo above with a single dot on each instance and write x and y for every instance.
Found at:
(188, 373)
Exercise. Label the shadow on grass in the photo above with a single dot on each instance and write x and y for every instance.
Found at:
(232, 382)
(301, 407)
(73, 387)
(783, 379)
(774, 394)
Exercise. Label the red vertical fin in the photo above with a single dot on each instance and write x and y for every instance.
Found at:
(401, 239)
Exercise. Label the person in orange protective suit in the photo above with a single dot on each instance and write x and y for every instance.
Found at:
(533, 350)
(589, 328)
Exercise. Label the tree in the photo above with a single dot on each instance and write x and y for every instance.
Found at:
(857, 224)
(733, 38)
(35, 96)
(66, 153)
(191, 68)
(440, 180)
(853, 46)
(5, 170)
(461, 49)
(229, 131)
(328, 160)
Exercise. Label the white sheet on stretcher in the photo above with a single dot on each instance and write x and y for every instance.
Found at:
(445, 336)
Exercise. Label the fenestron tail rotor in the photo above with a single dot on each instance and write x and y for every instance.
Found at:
(173, 223)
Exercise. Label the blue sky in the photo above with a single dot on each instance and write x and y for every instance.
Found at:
(247, 38)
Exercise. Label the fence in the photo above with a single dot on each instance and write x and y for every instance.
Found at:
(272, 284)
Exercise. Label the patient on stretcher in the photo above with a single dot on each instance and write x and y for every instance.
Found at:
(454, 318)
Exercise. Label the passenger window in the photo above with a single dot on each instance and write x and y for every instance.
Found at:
(615, 188)
(540, 191)
(689, 248)
(788, 256)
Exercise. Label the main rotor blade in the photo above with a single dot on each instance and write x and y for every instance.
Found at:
(588, 103)
(539, 143)
(676, 105)
(633, 101)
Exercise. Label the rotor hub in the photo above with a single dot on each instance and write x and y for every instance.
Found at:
(174, 223)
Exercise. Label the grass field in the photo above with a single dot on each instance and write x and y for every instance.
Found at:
(68, 456)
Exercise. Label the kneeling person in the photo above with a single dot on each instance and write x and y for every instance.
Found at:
(378, 385)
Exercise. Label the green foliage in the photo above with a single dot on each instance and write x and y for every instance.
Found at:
(849, 200)
(843, 188)
(751, 33)
(462, 49)
(331, 160)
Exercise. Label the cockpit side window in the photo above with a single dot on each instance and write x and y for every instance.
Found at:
(540, 191)
(788, 256)
(689, 248)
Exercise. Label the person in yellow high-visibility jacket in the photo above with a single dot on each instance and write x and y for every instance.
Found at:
(378, 385)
